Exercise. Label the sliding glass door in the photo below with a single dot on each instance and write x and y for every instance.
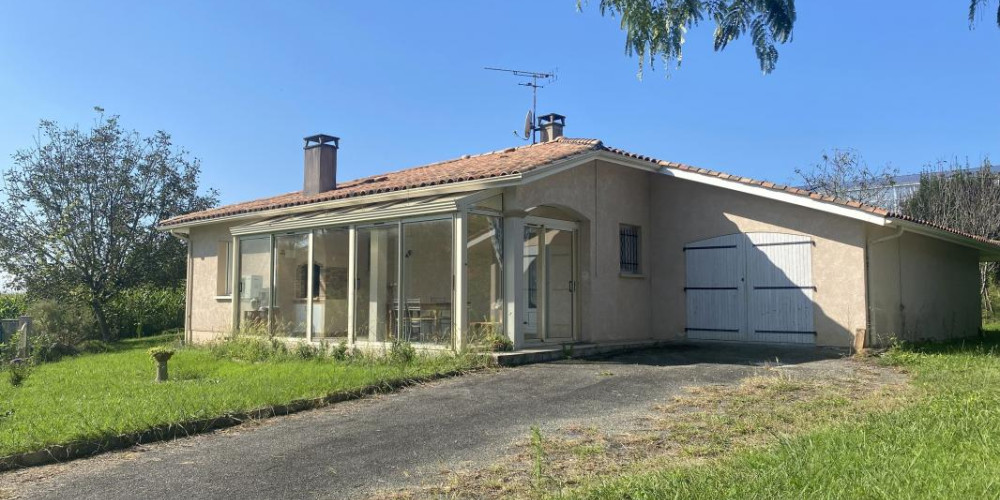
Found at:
(291, 281)
(297, 284)
(484, 277)
(427, 281)
(376, 309)
(254, 287)
(331, 257)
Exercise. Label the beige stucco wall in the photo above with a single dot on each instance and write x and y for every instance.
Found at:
(603, 196)
(934, 281)
(684, 211)
(921, 288)
(209, 316)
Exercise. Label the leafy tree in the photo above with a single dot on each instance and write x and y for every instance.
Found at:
(977, 6)
(658, 27)
(845, 174)
(78, 221)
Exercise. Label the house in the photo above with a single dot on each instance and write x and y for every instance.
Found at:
(570, 240)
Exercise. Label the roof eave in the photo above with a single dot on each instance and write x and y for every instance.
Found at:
(454, 187)
(735, 185)
(987, 252)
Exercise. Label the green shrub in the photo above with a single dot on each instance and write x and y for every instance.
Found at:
(47, 352)
(146, 310)
(93, 346)
(402, 351)
(249, 348)
(18, 371)
(499, 343)
(339, 351)
(61, 322)
(305, 350)
(12, 305)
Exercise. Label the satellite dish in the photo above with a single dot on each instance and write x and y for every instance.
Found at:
(529, 124)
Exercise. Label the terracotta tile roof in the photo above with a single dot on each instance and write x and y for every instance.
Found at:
(801, 192)
(508, 162)
(469, 167)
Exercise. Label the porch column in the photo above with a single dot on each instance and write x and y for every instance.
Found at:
(237, 290)
(378, 291)
(460, 242)
(513, 282)
(352, 283)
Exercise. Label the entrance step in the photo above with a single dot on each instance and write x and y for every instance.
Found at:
(556, 352)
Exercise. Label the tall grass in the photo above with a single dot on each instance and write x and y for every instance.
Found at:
(93, 396)
(945, 445)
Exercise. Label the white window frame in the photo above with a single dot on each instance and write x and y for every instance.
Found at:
(223, 274)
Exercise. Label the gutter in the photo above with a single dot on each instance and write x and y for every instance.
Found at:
(868, 282)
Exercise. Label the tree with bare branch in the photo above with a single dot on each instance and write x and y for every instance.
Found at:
(966, 199)
(78, 218)
(845, 174)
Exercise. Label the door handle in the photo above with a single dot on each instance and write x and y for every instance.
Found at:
(572, 287)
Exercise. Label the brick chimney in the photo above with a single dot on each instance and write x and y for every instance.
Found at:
(320, 164)
(551, 126)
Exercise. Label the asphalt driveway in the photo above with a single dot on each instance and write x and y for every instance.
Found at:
(353, 449)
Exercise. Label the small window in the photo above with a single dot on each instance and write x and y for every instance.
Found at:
(630, 244)
(224, 276)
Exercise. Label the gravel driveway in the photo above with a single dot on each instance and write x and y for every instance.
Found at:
(352, 449)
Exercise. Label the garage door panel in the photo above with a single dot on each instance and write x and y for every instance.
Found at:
(714, 289)
(715, 314)
(779, 281)
(753, 287)
(781, 316)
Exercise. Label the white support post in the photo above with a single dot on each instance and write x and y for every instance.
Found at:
(352, 282)
(188, 290)
(513, 257)
(378, 292)
(235, 292)
(459, 276)
(310, 276)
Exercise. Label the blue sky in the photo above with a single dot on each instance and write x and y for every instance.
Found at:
(240, 83)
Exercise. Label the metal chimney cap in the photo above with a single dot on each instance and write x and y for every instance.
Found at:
(552, 118)
(317, 140)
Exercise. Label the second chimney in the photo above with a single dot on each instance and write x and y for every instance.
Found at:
(551, 126)
(320, 164)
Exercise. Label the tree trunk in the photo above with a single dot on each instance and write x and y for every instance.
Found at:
(102, 320)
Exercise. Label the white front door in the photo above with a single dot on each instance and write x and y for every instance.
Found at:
(548, 294)
(751, 287)
(559, 285)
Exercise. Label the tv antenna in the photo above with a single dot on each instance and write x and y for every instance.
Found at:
(530, 127)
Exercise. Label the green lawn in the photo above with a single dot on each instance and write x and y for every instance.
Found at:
(93, 396)
(945, 444)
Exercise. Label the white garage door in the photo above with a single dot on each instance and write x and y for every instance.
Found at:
(750, 287)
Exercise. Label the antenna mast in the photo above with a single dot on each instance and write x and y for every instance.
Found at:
(535, 76)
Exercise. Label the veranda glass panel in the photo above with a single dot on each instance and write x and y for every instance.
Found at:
(254, 287)
(484, 277)
(376, 293)
(331, 249)
(427, 269)
(291, 280)
(529, 294)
